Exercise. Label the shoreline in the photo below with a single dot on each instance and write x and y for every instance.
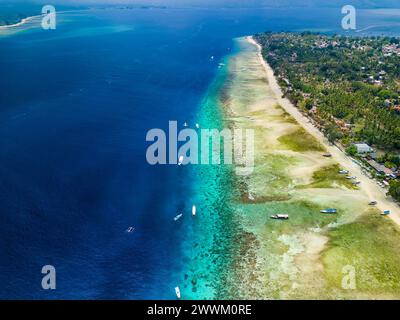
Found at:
(18, 24)
(368, 185)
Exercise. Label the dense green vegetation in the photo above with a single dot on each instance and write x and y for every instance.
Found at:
(349, 86)
(394, 189)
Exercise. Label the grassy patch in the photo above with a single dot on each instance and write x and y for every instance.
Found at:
(371, 245)
(328, 177)
(270, 178)
(301, 141)
(302, 216)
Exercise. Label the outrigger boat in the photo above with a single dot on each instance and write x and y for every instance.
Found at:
(280, 216)
(130, 229)
(178, 217)
(178, 292)
(329, 211)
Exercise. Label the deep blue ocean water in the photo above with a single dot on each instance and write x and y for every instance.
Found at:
(75, 106)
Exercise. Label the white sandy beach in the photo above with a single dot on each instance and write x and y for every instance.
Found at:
(368, 185)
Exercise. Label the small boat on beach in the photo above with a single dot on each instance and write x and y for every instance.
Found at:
(327, 155)
(178, 217)
(385, 213)
(280, 216)
(329, 211)
(178, 292)
(343, 172)
(373, 203)
(193, 211)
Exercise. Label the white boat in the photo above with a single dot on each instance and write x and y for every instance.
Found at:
(180, 160)
(197, 125)
(344, 172)
(251, 197)
(185, 124)
(280, 216)
(178, 292)
(193, 210)
(130, 229)
(178, 217)
(329, 211)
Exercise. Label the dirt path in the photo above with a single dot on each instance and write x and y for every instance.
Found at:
(368, 185)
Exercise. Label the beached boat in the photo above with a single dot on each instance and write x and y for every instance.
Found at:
(327, 155)
(344, 172)
(329, 211)
(280, 216)
(385, 213)
(373, 203)
(178, 217)
(178, 292)
(193, 210)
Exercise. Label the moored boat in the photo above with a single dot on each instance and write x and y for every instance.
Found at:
(280, 216)
(130, 229)
(329, 211)
(178, 217)
(194, 210)
(178, 292)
